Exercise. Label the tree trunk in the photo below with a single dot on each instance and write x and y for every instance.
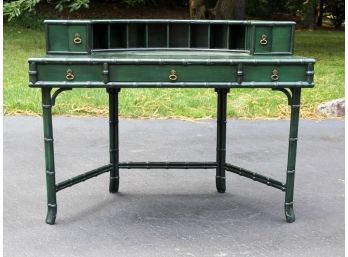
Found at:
(320, 13)
(198, 9)
(240, 10)
(224, 10)
(217, 9)
(310, 14)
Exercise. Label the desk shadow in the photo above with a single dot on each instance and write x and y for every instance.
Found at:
(135, 208)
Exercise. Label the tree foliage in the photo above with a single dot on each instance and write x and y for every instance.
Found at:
(15, 8)
(335, 11)
(311, 12)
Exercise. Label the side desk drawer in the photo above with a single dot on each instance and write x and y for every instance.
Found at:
(70, 73)
(172, 73)
(274, 73)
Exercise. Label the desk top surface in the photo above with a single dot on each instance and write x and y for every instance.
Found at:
(173, 56)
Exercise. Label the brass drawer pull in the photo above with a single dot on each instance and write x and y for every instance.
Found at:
(77, 39)
(173, 75)
(275, 75)
(69, 75)
(263, 40)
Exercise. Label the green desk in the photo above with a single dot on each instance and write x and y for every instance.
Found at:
(221, 55)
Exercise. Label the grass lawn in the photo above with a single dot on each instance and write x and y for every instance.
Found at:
(327, 47)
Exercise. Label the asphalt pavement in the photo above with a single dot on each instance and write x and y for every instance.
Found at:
(173, 212)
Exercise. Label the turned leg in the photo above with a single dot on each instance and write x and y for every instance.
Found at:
(113, 133)
(290, 177)
(49, 156)
(221, 139)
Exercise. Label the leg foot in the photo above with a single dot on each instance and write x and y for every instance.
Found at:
(289, 213)
(220, 184)
(113, 186)
(51, 215)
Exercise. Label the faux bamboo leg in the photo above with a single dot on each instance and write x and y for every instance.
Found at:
(290, 177)
(49, 156)
(221, 140)
(113, 133)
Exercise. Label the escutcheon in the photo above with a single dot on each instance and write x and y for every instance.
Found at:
(172, 75)
(263, 40)
(69, 75)
(77, 39)
(275, 75)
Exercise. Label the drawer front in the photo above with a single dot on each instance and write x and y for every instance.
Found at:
(77, 38)
(282, 39)
(67, 38)
(172, 73)
(70, 73)
(263, 39)
(274, 73)
(273, 39)
(57, 38)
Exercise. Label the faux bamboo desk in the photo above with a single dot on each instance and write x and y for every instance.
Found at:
(220, 55)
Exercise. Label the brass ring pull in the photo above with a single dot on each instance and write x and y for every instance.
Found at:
(263, 40)
(77, 39)
(173, 75)
(275, 75)
(69, 75)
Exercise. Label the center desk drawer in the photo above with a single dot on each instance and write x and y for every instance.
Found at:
(172, 73)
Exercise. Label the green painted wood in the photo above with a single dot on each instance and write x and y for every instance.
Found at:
(170, 54)
(199, 36)
(136, 35)
(281, 39)
(259, 32)
(167, 165)
(263, 73)
(179, 35)
(293, 138)
(184, 57)
(83, 177)
(118, 35)
(159, 73)
(220, 179)
(58, 72)
(49, 156)
(219, 36)
(255, 176)
(83, 32)
(114, 140)
(157, 35)
(152, 69)
(195, 34)
(58, 37)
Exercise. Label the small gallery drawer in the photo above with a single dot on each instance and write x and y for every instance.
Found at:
(274, 73)
(271, 39)
(172, 73)
(67, 38)
(263, 39)
(70, 73)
